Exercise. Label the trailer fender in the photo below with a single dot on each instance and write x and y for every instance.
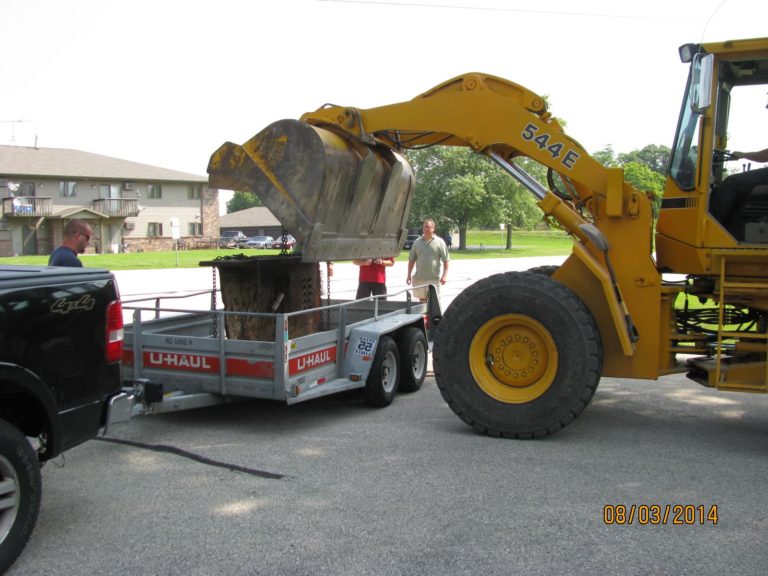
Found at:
(364, 341)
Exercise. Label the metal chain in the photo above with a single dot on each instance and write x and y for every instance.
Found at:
(325, 319)
(328, 295)
(319, 284)
(283, 242)
(215, 328)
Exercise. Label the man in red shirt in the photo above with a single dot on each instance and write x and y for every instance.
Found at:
(373, 277)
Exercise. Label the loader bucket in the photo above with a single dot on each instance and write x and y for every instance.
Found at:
(341, 198)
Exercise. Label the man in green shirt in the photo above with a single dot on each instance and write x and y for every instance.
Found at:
(426, 255)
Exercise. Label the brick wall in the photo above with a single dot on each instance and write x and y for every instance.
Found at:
(209, 211)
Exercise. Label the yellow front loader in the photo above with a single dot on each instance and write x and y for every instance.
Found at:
(521, 354)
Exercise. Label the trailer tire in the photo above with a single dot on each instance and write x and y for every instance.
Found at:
(383, 379)
(413, 359)
(20, 481)
(517, 355)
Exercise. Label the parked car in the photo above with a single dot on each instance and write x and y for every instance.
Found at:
(232, 239)
(284, 244)
(409, 241)
(259, 242)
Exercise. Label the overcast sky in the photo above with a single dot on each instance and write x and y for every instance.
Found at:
(165, 82)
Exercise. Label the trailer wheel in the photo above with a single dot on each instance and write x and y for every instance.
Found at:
(20, 493)
(413, 359)
(517, 355)
(384, 377)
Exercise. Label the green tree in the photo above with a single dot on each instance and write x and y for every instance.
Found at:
(451, 189)
(461, 189)
(606, 156)
(654, 156)
(464, 199)
(241, 201)
(515, 206)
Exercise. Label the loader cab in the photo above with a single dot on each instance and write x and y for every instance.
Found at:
(723, 110)
(741, 123)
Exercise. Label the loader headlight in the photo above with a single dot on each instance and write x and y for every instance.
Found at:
(687, 52)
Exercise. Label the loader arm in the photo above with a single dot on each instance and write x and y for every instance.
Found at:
(491, 115)
(501, 120)
(337, 182)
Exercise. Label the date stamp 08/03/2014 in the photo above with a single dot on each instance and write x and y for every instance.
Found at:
(656, 514)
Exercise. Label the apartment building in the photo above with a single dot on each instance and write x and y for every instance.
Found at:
(130, 206)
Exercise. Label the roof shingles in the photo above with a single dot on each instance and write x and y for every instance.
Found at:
(61, 162)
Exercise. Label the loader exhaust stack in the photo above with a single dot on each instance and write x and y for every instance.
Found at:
(322, 186)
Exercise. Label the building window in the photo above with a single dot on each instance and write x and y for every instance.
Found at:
(195, 229)
(109, 191)
(194, 192)
(67, 189)
(154, 191)
(154, 229)
(27, 189)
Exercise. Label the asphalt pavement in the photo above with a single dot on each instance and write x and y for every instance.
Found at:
(333, 487)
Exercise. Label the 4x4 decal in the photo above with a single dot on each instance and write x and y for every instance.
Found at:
(64, 306)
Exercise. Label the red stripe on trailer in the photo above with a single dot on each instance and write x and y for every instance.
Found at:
(242, 367)
(205, 364)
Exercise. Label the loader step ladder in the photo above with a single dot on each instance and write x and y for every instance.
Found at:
(741, 376)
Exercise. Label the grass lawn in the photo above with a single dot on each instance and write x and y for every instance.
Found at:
(488, 244)
(539, 243)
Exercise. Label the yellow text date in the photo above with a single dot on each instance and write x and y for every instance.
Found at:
(655, 514)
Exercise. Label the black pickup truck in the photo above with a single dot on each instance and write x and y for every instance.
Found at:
(61, 343)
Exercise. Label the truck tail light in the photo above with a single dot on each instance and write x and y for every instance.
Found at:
(114, 349)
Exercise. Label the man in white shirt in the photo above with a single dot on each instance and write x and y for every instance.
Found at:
(426, 255)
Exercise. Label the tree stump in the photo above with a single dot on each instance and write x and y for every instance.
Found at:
(268, 284)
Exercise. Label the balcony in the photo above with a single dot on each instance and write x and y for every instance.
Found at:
(27, 206)
(117, 207)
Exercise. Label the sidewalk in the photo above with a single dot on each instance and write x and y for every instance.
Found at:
(181, 281)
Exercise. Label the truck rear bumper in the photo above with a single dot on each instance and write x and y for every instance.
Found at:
(119, 409)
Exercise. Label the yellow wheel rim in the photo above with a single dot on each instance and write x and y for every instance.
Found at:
(513, 358)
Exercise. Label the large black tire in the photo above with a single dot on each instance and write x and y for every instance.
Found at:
(413, 359)
(546, 270)
(20, 493)
(517, 355)
(384, 378)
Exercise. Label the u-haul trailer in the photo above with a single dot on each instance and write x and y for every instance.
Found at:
(178, 359)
